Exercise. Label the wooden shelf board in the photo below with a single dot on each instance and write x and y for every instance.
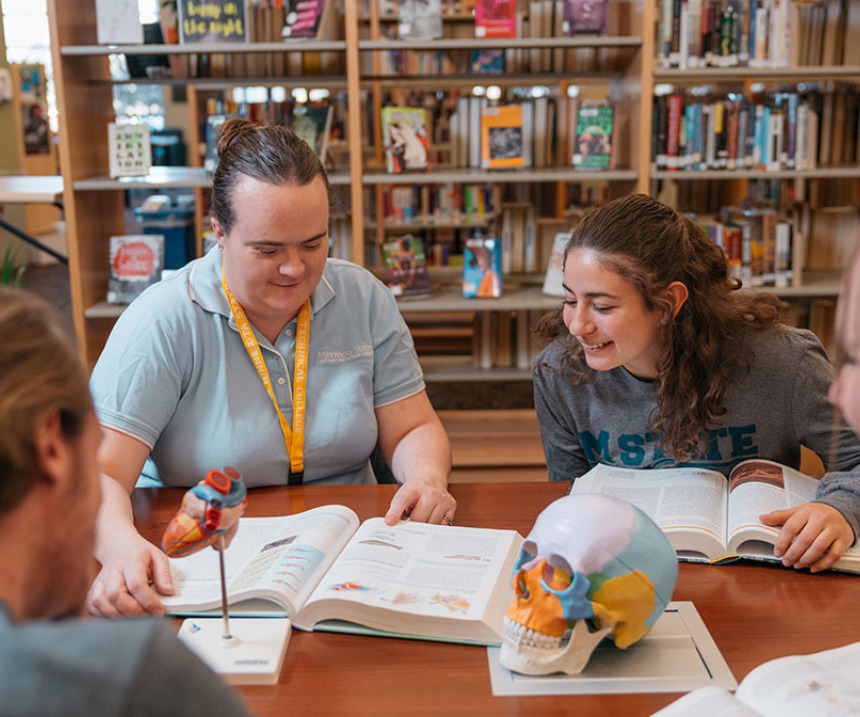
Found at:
(739, 74)
(581, 41)
(728, 174)
(162, 177)
(205, 48)
(525, 174)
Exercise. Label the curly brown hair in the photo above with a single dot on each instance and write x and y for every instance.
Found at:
(651, 245)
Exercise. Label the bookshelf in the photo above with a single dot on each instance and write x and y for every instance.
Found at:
(623, 65)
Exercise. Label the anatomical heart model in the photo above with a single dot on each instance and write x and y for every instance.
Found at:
(592, 566)
(209, 511)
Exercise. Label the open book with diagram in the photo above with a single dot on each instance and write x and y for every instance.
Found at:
(706, 517)
(824, 683)
(326, 571)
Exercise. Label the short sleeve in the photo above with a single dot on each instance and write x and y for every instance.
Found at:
(137, 381)
(396, 371)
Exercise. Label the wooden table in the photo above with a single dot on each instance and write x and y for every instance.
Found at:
(755, 613)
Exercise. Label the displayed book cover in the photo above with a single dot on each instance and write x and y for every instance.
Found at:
(495, 19)
(552, 283)
(313, 124)
(213, 122)
(129, 149)
(404, 132)
(502, 141)
(698, 534)
(419, 19)
(482, 267)
(118, 22)
(585, 17)
(212, 21)
(594, 138)
(304, 19)
(406, 267)
(136, 261)
(327, 571)
(487, 61)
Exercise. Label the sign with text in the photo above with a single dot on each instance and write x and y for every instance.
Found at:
(212, 21)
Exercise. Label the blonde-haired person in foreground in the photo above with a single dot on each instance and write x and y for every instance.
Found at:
(52, 663)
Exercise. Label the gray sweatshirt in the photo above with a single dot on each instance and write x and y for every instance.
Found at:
(779, 404)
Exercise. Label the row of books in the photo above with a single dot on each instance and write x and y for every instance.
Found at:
(758, 33)
(768, 131)
(538, 132)
(440, 203)
(758, 246)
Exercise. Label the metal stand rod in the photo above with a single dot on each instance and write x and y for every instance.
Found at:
(224, 610)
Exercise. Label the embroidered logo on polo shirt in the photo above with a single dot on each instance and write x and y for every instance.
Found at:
(350, 354)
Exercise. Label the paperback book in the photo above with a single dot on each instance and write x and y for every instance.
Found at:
(213, 122)
(313, 124)
(406, 268)
(554, 278)
(129, 149)
(594, 138)
(306, 19)
(208, 21)
(404, 131)
(718, 518)
(136, 261)
(495, 19)
(419, 19)
(482, 267)
(326, 571)
(502, 140)
(585, 17)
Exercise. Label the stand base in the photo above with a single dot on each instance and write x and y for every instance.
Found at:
(254, 654)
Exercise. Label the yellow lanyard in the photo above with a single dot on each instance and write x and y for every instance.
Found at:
(293, 439)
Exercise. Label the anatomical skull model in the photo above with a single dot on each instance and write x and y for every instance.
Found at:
(592, 566)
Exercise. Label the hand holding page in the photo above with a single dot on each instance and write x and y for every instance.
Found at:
(411, 579)
(707, 517)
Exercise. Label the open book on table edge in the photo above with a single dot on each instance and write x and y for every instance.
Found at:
(674, 499)
(820, 683)
(327, 572)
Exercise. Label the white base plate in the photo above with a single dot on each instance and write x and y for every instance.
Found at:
(678, 655)
(253, 656)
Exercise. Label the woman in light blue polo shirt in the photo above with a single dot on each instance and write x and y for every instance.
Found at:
(263, 355)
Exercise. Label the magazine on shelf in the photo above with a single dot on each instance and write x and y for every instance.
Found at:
(326, 571)
(208, 21)
(129, 149)
(482, 267)
(136, 261)
(495, 19)
(502, 137)
(594, 145)
(406, 267)
(404, 133)
(419, 19)
(708, 517)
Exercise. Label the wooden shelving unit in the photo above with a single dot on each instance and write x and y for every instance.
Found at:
(94, 202)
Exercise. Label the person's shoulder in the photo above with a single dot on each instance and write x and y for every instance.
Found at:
(346, 271)
(782, 342)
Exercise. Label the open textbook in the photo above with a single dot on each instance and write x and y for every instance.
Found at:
(327, 572)
(706, 517)
(823, 684)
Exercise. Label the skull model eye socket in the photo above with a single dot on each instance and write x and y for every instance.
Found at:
(557, 574)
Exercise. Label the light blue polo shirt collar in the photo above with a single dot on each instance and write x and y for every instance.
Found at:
(205, 290)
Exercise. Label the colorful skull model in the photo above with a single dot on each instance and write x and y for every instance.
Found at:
(591, 566)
